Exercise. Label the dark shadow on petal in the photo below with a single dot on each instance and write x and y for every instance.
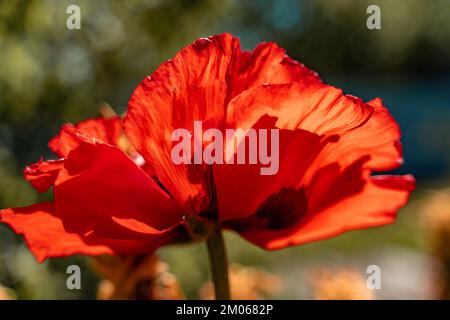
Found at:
(281, 210)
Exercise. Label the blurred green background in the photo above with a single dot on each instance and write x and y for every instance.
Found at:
(51, 75)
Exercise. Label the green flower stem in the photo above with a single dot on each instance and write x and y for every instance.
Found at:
(219, 263)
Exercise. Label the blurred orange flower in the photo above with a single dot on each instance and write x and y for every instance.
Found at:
(143, 277)
(436, 220)
(342, 284)
(247, 283)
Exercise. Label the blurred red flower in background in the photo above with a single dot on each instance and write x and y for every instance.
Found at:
(112, 198)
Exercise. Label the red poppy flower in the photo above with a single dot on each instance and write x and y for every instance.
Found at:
(113, 199)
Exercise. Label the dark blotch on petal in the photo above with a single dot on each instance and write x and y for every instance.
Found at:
(280, 210)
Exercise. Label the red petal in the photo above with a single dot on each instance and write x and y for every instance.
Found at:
(190, 87)
(378, 138)
(330, 143)
(318, 108)
(268, 63)
(108, 130)
(241, 188)
(197, 85)
(42, 175)
(376, 205)
(310, 117)
(101, 190)
(46, 236)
